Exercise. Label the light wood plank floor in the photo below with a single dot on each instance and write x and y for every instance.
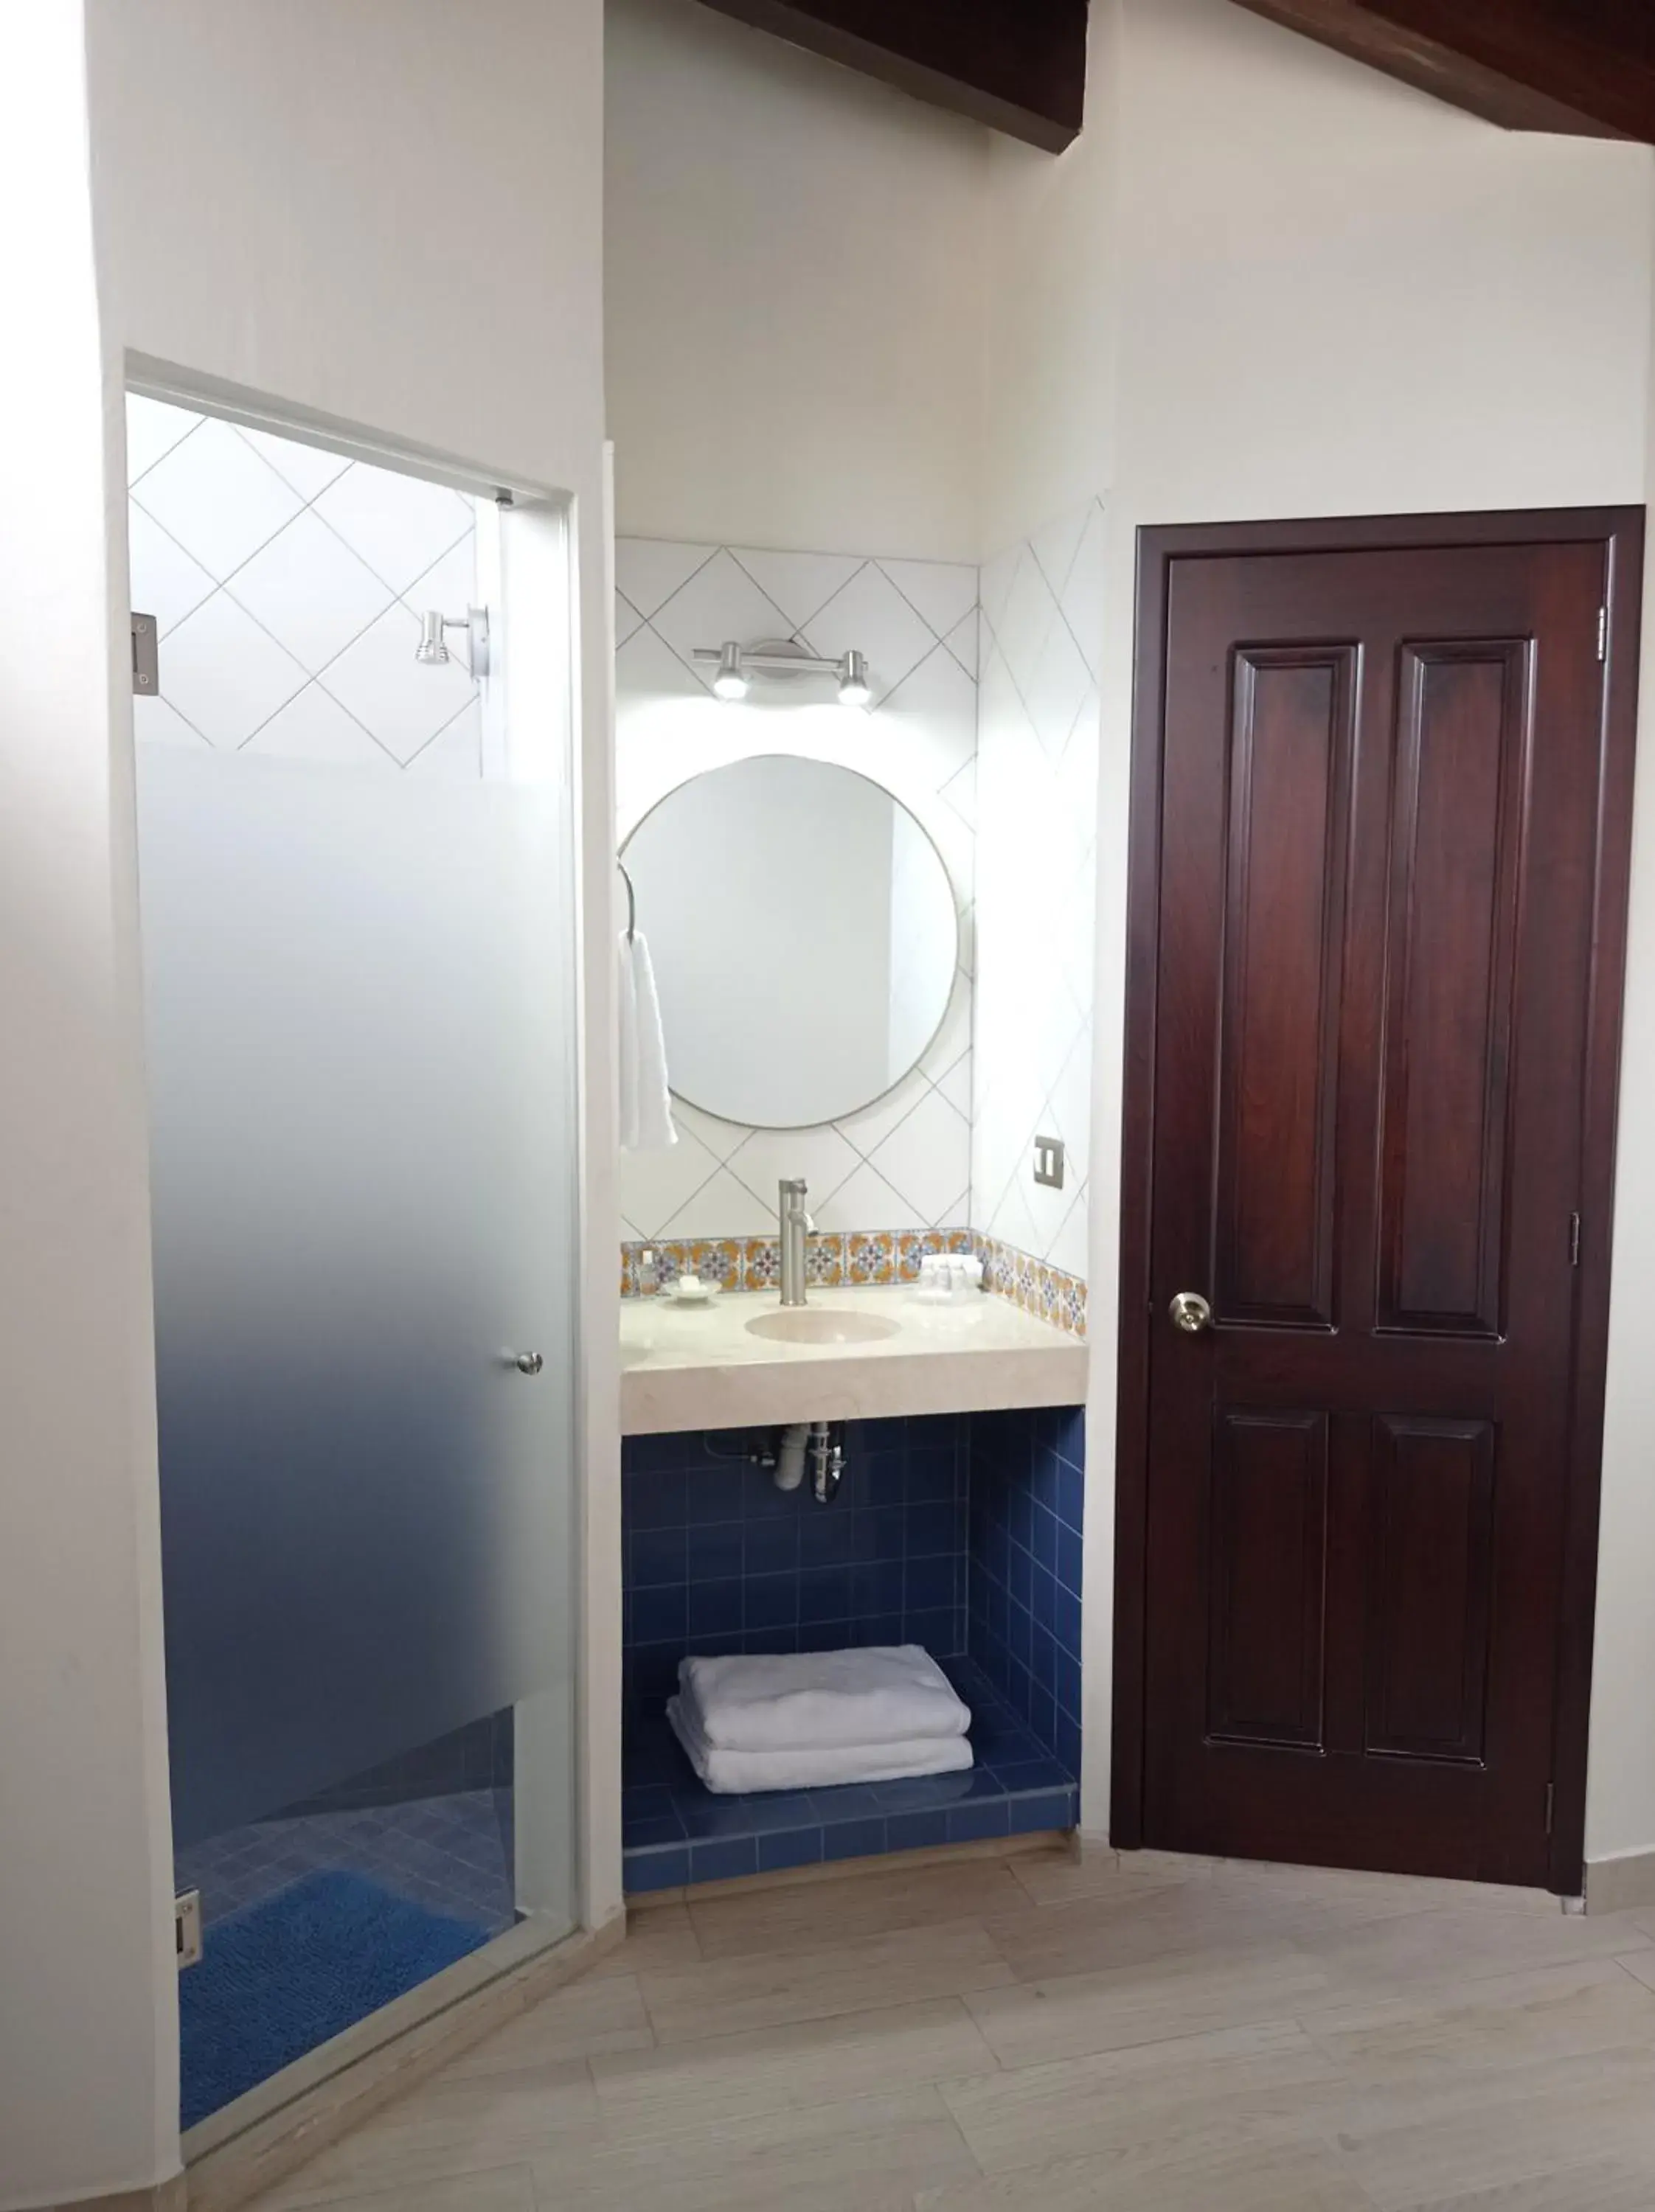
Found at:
(1055, 2035)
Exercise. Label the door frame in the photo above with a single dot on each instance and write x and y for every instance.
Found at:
(1619, 530)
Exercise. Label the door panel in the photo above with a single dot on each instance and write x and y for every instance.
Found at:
(360, 1024)
(1378, 838)
(1461, 774)
(1283, 923)
(1429, 1600)
(1270, 1521)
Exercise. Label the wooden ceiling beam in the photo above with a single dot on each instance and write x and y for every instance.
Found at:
(1584, 67)
(1019, 65)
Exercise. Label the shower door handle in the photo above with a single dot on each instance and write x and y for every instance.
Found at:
(528, 1362)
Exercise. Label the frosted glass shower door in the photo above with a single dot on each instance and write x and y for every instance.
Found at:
(360, 1026)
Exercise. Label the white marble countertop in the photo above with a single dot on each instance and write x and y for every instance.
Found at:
(699, 1367)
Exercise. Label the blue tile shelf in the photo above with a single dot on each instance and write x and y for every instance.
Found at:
(961, 1533)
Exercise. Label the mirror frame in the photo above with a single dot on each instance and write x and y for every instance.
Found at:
(815, 760)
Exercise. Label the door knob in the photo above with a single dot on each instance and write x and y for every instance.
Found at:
(528, 1362)
(1191, 1312)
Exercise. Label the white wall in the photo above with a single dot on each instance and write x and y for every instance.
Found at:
(88, 2073)
(290, 202)
(1332, 295)
(1620, 1781)
(793, 296)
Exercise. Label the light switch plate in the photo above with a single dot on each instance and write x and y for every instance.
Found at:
(1049, 1161)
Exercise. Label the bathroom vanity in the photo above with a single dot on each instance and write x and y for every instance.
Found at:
(821, 1457)
(856, 1353)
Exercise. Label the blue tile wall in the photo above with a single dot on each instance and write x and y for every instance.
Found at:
(674, 1832)
(1027, 1483)
(718, 1561)
(961, 1533)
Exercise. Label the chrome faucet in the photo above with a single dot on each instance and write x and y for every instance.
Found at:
(796, 1225)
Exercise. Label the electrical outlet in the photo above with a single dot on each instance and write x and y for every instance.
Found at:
(1049, 1161)
(186, 1921)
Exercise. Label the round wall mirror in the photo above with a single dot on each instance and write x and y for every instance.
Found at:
(802, 928)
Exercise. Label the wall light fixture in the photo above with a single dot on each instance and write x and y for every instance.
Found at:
(781, 660)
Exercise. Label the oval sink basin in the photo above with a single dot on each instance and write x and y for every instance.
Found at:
(823, 1325)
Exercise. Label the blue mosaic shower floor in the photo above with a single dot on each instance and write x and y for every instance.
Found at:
(675, 1831)
(452, 1854)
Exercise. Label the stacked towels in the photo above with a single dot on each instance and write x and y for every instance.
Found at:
(812, 1721)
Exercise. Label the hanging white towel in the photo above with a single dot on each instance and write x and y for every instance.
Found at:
(733, 1773)
(818, 1700)
(646, 1103)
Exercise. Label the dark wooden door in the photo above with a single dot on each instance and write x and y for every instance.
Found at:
(1378, 888)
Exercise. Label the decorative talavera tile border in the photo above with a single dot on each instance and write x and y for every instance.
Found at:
(1032, 1285)
(883, 1255)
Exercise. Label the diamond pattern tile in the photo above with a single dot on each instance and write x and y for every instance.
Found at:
(926, 727)
(307, 468)
(723, 1206)
(166, 582)
(822, 1156)
(801, 584)
(719, 601)
(217, 498)
(224, 674)
(943, 594)
(1083, 590)
(314, 727)
(455, 754)
(965, 643)
(377, 679)
(1055, 544)
(153, 427)
(923, 1154)
(1037, 776)
(648, 570)
(155, 722)
(864, 1201)
(258, 595)
(872, 614)
(310, 592)
(397, 525)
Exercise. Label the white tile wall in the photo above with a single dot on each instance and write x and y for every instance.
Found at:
(905, 1161)
(1037, 778)
(287, 584)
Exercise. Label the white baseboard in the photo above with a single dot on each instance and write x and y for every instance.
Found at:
(1620, 1884)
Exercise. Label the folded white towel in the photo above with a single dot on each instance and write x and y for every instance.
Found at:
(645, 1101)
(733, 1773)
(818, 1700)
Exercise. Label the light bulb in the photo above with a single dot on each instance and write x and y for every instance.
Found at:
(731, 681)
(854, 688)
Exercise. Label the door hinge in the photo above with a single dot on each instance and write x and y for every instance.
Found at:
(186, 1921)
(1574, 1240)
(1551, 1805)
(1602, 633)
(146, 658)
